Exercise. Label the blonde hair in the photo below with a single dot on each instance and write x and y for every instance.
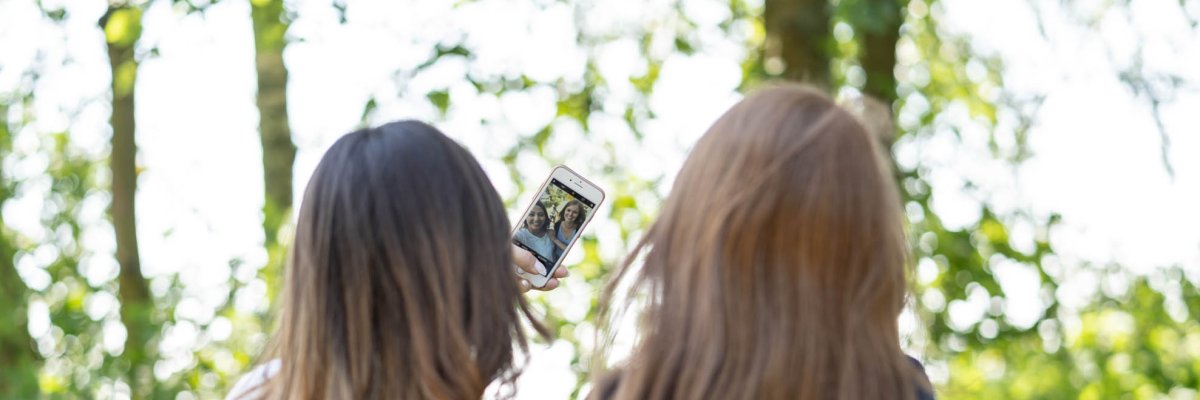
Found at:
(776, 268)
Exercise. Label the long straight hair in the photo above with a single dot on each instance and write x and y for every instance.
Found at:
(400, 282)
(776, 269)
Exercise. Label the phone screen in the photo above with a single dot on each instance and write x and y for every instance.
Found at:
(553, 222)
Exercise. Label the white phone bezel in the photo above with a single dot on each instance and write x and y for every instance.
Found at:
(579, 184)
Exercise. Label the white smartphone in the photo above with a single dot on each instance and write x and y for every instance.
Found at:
(555, 219)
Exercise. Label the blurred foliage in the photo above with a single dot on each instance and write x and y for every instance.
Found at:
(19, 358)
(1135, 336)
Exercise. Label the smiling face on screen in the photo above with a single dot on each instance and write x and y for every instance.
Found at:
(537, 220)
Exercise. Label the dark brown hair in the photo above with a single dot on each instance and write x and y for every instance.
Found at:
(545, 224)
(776, 269)
(400, 282)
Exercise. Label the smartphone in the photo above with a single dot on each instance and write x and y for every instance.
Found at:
(555, 219)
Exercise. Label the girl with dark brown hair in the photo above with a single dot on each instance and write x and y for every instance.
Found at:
(400, 282)
(535, 232)
(776, 269)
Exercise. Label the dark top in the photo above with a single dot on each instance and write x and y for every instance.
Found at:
(608, 388)
(921, 393)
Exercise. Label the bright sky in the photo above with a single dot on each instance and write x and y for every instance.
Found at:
(1097, 156)
(1097, 159)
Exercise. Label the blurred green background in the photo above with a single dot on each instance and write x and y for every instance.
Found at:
(151, 152)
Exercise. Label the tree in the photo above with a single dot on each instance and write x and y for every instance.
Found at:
(799, 40)
(278, 151)
(76, 337)
(880, 30)
(122, 25)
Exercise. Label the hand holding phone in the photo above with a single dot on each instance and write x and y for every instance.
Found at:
(525, 261)
(554, 221)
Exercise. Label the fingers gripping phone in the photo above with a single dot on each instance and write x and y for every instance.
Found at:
(554, 220)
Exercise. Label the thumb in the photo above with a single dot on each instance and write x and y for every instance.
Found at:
(525, 260)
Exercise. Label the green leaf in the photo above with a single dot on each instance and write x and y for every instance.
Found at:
(440, 99)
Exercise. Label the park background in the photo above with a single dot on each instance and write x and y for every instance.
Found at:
(151, 153)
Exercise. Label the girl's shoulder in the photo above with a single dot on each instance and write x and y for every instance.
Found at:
(606, 386)
(247, 386)
(924, 389)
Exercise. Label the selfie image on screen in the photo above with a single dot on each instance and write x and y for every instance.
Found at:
(552, 223)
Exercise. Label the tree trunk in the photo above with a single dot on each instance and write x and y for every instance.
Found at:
(879, 48)
(800, 34)
(278, 150)
(122, 27)
(879, 62)
(18, 356)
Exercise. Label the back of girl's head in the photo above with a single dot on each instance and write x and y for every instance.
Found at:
(399, 283)
(776, 267)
